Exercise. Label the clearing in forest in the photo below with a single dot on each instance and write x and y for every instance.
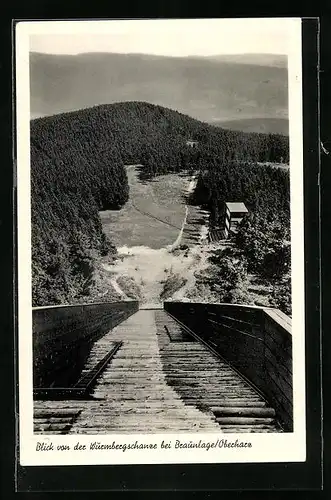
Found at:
(154, 214)
(148, 232)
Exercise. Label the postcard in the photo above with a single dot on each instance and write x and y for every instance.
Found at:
(160, 241)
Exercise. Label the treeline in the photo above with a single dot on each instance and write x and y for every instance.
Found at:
(157, 137)
(265, 245)
(69, 185)
(263, 240)
(262, 251)
(264, 189)
(77, 169)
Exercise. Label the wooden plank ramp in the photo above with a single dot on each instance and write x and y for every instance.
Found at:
(206, 382)
(132, 393)
(161, 379)
(135, 396)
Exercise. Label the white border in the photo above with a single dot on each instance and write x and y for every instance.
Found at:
(287, 447)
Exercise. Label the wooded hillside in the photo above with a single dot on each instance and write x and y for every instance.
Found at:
(77, 169)
(265, 190)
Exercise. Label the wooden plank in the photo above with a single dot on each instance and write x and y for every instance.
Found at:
(244, 411)
(279, 318)
(220, 325)
(244, 420)
(282, 342)
(278, 350)
(225, 400)
(279, 372)
(54, 420)
(49, 427)
(279, 401)
(222, 391)
(62, 412)
(276, 357)
(243, 323)
(237, 402)
(281, 386)
(283, 368)
(218, 379)
(87, 380)
(234, 429)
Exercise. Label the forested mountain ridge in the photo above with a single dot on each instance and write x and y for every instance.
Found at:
(141, 132)
(77, 169)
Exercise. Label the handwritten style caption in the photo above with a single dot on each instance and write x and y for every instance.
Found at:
(46, 446)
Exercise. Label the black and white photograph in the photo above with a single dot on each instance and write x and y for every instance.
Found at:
(160, 241)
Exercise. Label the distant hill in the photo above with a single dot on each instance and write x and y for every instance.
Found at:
(272, 60)
(260, 125)
(209, 89)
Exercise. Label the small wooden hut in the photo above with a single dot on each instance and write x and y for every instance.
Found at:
(234, 213)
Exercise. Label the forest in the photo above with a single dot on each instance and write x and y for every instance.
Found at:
(262, 244)
(154, 136)
(78, 168)
(66, 229)
(264, 189)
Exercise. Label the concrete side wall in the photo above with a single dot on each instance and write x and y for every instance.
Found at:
(255, 341)
(63, 337)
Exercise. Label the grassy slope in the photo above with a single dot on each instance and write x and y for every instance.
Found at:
(162, 198)
(145, 263)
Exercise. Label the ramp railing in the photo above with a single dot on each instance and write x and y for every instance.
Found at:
(255, 341)
(63, 336)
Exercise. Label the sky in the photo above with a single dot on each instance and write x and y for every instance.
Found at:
(178, 38)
